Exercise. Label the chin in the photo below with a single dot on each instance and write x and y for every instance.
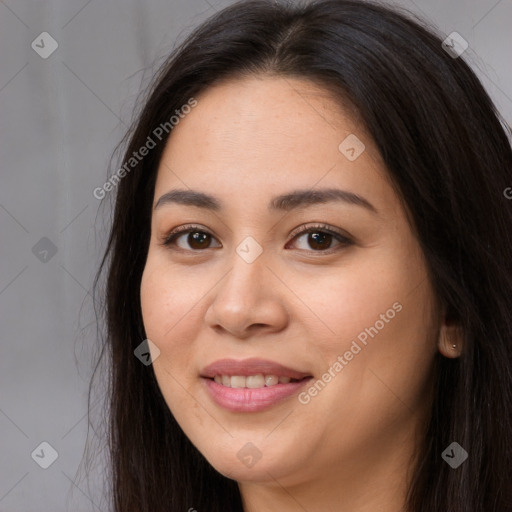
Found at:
(248, 463)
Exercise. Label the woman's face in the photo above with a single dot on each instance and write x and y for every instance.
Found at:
(347, 307)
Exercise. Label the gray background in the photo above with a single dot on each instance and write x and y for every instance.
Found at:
(61, 118)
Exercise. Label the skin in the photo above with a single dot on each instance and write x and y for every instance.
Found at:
(352, 446)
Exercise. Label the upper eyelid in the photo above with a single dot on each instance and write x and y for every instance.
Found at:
(304, 228)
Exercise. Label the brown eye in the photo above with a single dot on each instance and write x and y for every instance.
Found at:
(190, 239)
(198, 240)
(320, 239)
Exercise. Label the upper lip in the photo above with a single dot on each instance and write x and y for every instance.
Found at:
(253, 366)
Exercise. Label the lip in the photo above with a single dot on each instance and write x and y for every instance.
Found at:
(251, 399)
(253, 366)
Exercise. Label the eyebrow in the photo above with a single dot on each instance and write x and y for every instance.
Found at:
(285, 202)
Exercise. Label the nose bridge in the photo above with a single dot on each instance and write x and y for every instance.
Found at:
(245, 297)
(247, 276)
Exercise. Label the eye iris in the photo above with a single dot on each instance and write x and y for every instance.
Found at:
(196, 237)
(315, 239)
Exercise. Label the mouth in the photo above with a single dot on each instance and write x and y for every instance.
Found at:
(251, 385)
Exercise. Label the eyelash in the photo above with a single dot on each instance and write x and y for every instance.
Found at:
(317, 228)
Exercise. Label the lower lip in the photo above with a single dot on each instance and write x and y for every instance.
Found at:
(251, 399)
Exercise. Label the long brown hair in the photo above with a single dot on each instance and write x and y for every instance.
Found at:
(448, 155)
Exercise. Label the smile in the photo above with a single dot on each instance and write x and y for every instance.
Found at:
(251, 381)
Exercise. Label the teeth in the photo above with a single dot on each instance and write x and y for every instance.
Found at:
(255, 381)
(237, 381)
(251, 381)
(271, 380)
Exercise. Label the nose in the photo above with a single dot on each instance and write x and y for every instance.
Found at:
(247, 301)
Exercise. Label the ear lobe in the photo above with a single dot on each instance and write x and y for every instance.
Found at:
(451, 340)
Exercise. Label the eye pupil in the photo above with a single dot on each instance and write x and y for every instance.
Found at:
(197, 237)
(319, 239)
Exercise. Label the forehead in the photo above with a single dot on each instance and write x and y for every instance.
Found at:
(257, 134)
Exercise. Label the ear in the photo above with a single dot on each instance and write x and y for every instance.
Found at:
(451, 339)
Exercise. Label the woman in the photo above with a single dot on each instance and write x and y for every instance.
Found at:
(309, 272)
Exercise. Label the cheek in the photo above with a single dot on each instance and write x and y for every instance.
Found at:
(170, 311)
(171, 321)
(169, 297)
(378, 315)
(368, 288)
